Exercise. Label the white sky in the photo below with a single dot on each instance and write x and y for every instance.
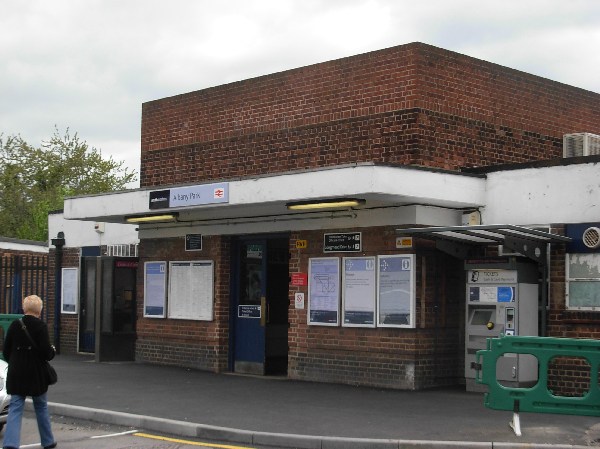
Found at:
(88, 65)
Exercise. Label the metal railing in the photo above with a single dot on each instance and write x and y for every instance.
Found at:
(20, 276)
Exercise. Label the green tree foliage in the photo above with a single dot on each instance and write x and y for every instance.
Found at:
(35, 181)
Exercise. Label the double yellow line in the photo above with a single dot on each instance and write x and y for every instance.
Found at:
(188, 442)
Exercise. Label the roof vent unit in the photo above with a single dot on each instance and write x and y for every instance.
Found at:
(591, 237)
(581, 144)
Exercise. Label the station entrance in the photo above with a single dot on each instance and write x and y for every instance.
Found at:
(260, 302)
(107, 315)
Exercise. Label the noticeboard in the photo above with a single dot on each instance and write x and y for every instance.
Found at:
(324, 291)
(69, 290)
(358, 292)
(396, 291)
(155, 289)
(191, 290)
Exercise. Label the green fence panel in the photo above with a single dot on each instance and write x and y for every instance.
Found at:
(539, 398)
(6, 320)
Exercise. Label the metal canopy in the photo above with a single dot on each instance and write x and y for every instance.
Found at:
(459, 241)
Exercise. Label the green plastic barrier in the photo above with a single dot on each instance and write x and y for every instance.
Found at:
(538, 398)
(6, 320)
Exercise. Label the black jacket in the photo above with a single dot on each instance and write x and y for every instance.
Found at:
(26, 374)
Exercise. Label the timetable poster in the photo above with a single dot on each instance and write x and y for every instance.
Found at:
(191, 290)
(395, 291)
(324, 291)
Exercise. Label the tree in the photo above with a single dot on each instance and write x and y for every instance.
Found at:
(35, 181)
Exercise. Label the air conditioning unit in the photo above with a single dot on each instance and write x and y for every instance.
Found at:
(581, 144)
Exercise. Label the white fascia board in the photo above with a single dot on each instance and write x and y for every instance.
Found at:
(380, 184)
(79, 233)
(102, 207)
(561, 194)
(414, 185)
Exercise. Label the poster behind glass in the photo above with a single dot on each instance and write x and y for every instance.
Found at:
(190, 290)
(155, 289)
(358, 292)
(70, 290)
(324, 291)
(396, 291)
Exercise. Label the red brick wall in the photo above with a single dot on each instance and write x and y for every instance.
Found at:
(69, 323)
(429, 355)
(190, 343)
(411, 104)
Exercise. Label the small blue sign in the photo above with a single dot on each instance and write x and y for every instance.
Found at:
(506, 294)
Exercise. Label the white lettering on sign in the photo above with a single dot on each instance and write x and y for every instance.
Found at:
(492, 276)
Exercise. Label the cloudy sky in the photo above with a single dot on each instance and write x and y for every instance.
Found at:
(88, 65)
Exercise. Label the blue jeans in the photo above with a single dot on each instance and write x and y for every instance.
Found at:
(12, 434)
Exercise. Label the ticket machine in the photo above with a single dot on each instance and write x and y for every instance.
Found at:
(502, 298)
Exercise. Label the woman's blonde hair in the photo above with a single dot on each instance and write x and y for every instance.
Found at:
(32, 304)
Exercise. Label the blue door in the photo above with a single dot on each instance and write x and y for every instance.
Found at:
(250, 313)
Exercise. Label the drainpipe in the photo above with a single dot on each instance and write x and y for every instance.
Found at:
(59, 242)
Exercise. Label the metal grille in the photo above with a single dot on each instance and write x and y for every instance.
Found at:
(123, 250)
(581, 144)
(591, 237)
(20, 276)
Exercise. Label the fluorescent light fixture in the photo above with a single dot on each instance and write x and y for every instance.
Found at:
(325, 203)
(151, 218)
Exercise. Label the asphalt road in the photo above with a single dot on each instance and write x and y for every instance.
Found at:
(80, 434)
(245, 409)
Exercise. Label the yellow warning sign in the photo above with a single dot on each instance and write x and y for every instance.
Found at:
(404, 242)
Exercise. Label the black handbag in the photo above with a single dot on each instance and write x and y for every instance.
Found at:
(50, 372)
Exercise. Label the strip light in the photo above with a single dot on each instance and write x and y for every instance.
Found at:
(151, 218)
(325, 204)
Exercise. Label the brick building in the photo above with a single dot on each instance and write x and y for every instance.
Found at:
(241, 271)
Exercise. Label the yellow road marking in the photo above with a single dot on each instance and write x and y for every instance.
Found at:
(191, 443)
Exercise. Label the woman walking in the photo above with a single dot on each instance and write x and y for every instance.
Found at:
(27, 348)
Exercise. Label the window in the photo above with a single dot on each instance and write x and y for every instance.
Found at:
(583, 281)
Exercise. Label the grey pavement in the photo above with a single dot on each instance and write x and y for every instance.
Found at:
(294, 414)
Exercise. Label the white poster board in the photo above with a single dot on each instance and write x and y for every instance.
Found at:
(396, 290)
(358, 292)
(324, 291)
(191, 290)
(155, 289)
(70, 290)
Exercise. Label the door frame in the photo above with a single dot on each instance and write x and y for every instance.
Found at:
(234, 288)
